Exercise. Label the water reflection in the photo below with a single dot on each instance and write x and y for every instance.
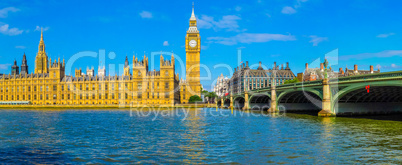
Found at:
(205, 136)
(193, 140)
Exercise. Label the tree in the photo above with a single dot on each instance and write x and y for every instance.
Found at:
(211, 96)
(194, 98)
(295, 80)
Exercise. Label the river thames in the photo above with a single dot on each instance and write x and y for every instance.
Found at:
(195, 136)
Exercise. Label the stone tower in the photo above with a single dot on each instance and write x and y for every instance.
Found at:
(41, 61)
(126, 67)
(24, 65)
(15, 70)
(193, 49)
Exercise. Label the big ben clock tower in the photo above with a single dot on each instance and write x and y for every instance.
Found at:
(193, 49)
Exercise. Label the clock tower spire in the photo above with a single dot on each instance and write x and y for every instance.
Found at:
(193, 50)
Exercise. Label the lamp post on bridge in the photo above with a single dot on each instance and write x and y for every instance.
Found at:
(273, 106)
(326, 96)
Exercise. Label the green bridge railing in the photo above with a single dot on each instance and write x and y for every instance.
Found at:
(338, 79)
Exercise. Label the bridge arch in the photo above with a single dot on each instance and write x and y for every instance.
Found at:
(238, 102)
(260, 101)
(226, 102)
(381, 98)
(219, 103)
(300, 100)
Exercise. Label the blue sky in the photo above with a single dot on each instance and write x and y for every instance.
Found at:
(365, 32)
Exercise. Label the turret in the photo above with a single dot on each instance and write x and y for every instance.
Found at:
(15, 70)
(78, 72)
(24, 65)
(56, 70)
(172, 59)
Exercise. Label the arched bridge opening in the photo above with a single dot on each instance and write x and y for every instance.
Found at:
(260, 102)
(373, 100)
(219, 103)
(238, 102)
(226, 103)
(298, 101)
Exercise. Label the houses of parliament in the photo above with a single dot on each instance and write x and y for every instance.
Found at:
(49, 85)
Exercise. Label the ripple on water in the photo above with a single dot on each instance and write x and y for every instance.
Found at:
(107, 137)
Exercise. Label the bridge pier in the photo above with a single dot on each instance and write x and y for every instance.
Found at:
(246, 103)
(326, 100)
(231, 102)
(222, 102)
(273, 106)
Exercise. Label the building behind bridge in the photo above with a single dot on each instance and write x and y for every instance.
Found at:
(221, 87)
(244, 78)
(311, 74)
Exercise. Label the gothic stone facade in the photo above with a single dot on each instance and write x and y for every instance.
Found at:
(138, 85)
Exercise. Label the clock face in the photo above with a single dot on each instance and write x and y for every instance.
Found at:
(193, 43)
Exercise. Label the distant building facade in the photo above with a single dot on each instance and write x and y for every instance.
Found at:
(245, 79)
(311, 74)
(222, 86)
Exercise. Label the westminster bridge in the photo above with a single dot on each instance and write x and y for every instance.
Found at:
(379, 93)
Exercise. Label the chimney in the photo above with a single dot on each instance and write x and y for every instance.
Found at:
(246, 63)
(259, 64)
(341, 71)
(355, 68)
(371, 69)
(281, 66)
(306, 66)
(274, 65)
(287, 65)
(322, 66)
(243, 65)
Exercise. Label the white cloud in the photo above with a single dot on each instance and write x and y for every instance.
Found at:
(288, 10)
(11, 32)
(228, 22)
(251, 38)
(237, 8)
(385, 35)
(146, 14)
(292, 10)
(316, 40)
(166, 43)
(4, 11)
(299, 2)
(4, 66)
(385, 53)
(388, 67)
(38, 28)
(20, 47)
